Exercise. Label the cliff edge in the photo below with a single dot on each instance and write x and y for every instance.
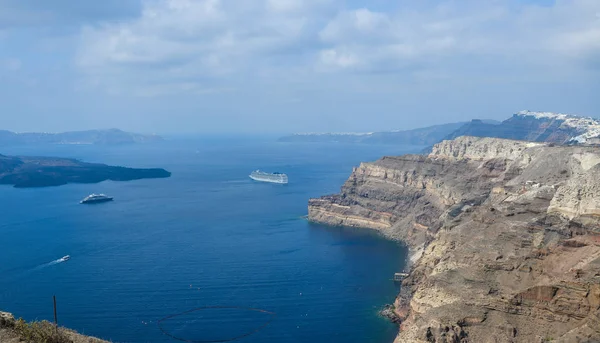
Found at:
(504, 234)
(15, 331)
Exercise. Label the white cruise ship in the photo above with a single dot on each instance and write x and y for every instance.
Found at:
(96, 198)
(269, 177)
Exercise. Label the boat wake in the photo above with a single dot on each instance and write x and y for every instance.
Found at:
(50, 263)
(60, 260)
(39, 268)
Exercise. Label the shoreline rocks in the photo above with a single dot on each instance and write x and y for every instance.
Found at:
(388, 312)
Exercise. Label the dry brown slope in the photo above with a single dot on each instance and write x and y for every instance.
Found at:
(505, 238)
(16, 331)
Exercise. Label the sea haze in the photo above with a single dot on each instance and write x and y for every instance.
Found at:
(207, 236)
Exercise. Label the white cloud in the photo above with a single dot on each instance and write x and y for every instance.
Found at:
(186, 45)
(361, 24)
(375, 41)
(577, 35)
(197, 41)
(561, 34)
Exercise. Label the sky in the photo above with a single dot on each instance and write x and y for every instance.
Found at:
(269, 66)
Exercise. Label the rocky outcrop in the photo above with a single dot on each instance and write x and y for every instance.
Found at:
(476, 148)
(505, 238)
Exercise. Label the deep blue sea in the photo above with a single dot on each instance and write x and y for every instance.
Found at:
(208, 236)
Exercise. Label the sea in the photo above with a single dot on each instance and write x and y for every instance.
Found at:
(207, 255)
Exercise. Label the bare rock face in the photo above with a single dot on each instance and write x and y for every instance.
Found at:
(505, 238)
(478, 148)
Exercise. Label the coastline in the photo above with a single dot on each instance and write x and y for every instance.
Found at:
(497, 231)
(343, 274)
(397, 310)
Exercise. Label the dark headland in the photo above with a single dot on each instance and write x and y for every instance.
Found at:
(23, 172)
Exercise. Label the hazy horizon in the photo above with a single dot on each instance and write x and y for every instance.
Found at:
(284, 66)
(221, 134)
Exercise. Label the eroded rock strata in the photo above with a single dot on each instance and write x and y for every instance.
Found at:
(505, 238)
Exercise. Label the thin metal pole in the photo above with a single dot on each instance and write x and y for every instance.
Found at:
(55, 318)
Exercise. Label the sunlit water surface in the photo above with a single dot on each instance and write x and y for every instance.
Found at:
(206, 237)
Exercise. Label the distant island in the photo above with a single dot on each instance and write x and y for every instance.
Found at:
(547, 127)
(422, 136)
(25, 172)
(532, 126)
(100, 137)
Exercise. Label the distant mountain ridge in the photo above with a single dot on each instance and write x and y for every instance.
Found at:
(422, 136)
(547, 127)
(101, 137)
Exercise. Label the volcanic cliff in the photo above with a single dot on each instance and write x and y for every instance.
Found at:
(505, 238)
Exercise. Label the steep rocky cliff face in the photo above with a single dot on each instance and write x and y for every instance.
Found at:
(505, 238)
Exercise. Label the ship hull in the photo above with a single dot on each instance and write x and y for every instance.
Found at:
(97, 201)
(281, 182)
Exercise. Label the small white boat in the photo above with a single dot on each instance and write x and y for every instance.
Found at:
(65, 258)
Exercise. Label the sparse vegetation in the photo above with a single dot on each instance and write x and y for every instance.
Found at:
(40, 332)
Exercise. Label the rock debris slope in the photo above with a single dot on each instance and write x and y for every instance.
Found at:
(505, 238)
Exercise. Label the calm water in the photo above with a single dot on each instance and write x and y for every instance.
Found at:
(207, 236)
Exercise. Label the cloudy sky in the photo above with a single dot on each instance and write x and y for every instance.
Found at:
(292, 65)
